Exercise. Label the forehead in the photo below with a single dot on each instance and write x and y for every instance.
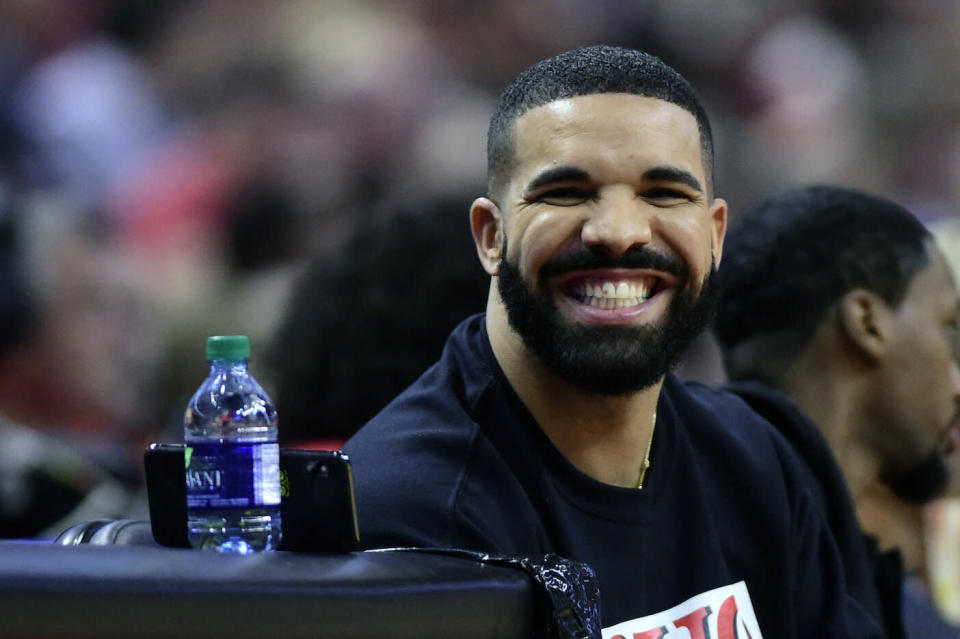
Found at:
(617, 131)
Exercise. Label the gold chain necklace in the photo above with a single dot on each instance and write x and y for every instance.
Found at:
(646, 455)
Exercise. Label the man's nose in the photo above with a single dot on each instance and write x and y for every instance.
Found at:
(617, 223)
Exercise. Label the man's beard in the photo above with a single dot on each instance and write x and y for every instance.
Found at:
(924, 481)
(603, 359)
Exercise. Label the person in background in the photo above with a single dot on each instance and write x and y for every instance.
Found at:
(836, 319)
(934, 530)
(551, 423)
(47, 483)
(364, 322)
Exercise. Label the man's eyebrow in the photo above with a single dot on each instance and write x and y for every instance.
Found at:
(557, 174)
(672, 174)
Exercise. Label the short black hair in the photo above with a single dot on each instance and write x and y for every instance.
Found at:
(588, 71)
(365, 322)
(791, 256)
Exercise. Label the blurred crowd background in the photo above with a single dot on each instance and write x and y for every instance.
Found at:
(300, 171)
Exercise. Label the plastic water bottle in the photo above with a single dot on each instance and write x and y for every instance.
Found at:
(232, 456)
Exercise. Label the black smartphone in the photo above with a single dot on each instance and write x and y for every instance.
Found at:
(318, 512)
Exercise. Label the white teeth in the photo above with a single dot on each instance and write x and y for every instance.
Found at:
(613, 295)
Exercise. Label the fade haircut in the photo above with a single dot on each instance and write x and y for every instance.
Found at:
(790, 257)
(587, 71)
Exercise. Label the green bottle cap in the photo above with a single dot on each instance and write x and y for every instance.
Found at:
(228, 347)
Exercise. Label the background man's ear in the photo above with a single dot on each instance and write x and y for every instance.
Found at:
(864, 319)
(486, 224)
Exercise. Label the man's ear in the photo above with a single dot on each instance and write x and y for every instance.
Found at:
(718, 221)
(486, 223)
(864, 319)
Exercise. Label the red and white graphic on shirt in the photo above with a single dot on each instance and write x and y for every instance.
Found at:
(722, 613)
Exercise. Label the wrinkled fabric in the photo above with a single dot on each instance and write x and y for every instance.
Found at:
(573, 589)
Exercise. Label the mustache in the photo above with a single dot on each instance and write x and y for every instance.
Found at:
(634, 258)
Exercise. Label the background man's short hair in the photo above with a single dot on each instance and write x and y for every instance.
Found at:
(588, 71)
(791, 256)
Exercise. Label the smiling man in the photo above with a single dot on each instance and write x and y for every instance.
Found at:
(551, 423)
(610, 307)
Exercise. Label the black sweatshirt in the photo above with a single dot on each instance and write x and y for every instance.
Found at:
(458, 461)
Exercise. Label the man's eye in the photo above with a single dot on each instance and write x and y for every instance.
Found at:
(665, 196)
(565, 196)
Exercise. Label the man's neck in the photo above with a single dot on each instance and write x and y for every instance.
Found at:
(834, 402)
(605, 437)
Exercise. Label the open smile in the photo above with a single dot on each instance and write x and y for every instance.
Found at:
(611, 293)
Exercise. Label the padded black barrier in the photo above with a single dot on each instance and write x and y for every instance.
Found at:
(570, 589)
(108, 532)
(52, 590)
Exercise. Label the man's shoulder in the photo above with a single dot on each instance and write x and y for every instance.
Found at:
(426, 475)
(723, 427)
(423, 466)
(409, 463)
(429, 424)
(715, 408)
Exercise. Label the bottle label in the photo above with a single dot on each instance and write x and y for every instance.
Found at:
(233, 474)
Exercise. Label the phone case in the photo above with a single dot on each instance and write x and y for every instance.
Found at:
(317, 506)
